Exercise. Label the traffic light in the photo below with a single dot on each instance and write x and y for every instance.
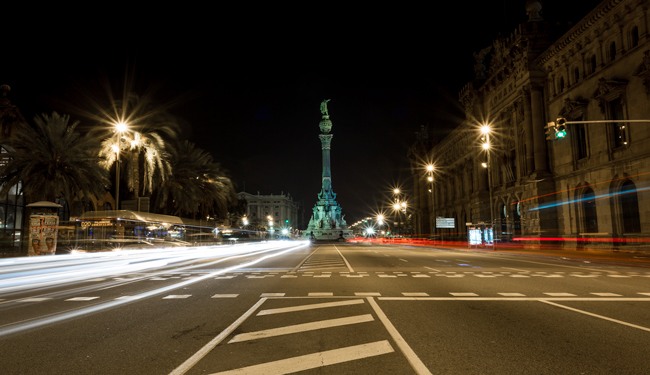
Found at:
(550, 131)
(560, 128)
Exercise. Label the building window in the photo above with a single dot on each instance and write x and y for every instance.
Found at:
(629, 205)
(612, 51)
(576, 75)
(579, 132)
(618, 129)
(561, 84)
(589, 217)
(516, 219)
(592, 64)
(634, 37)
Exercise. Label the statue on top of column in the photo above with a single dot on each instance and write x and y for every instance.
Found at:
(323, 107)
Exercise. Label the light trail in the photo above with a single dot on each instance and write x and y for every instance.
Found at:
(28, 274)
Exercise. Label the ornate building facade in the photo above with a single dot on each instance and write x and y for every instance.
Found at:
(590, 185)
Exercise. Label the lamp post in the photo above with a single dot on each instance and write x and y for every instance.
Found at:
(432, 214)
(397, 207)
(486, 130)
(120, 128)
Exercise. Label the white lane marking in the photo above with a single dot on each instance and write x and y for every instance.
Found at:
(560, 294)
(310, 307)
(311, 361)
(367, 294)
(312, 326)
(34, 299)
(81, 298)
(403, 260)
(515, 269)
(272, 295)
(421, 275)
(432, 269)
(320, 294)
(194, 359)
(607, 294)
(512, 294)
(462, 294)
(347, 264)
(598, 316)
(225, 296)
(565, 266)
(580, 299)
(177, 296)
(415, 294)
(645, 294)
(410, 355)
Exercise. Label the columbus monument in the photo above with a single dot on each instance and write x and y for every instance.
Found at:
(326, 222)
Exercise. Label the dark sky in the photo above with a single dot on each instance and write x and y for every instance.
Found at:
(248, 82)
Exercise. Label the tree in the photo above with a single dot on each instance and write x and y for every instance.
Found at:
(51, 160)
(143, 150)
(197, 185)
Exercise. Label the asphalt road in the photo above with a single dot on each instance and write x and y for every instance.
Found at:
(352, 308)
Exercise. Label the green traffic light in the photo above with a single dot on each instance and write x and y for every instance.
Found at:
(560, 132)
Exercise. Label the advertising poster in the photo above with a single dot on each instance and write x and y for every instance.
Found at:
(43, 230)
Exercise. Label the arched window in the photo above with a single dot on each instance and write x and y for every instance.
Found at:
(516, 219)
(592, 64)
(504, 223)
(612, 51)
(634, 37)
(576, 75)
(589, 216)
(629, 205)
(560, 84)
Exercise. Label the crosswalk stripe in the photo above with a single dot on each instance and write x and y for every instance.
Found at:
(312, 326)
(314, 360)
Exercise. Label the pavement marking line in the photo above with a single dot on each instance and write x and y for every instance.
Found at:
(574, 299)
(410, 355)
(194, 359)
(81, 298)
(312, 326)
(225, 296)
(347, 264)
(320, 294)
(310, 307)
(597, 316)
(565, 266)
(315, 360)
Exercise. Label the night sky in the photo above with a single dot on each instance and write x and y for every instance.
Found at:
(247, 83)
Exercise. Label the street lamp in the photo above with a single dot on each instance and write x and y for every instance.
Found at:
(432, 214)
(486, 130)
(120, 128)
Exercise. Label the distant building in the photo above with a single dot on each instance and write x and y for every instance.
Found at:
(588, 186)
(281, 208)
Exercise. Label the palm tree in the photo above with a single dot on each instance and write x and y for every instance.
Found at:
(197, 186)
(143, 148)
(51, 160)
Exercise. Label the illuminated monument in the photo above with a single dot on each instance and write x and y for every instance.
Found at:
(326, 222)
